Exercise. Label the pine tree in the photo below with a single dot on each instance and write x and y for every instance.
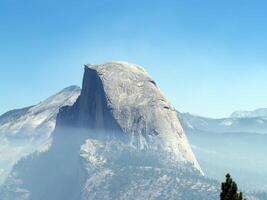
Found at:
(229, 190)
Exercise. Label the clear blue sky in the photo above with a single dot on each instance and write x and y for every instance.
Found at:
(209, 57)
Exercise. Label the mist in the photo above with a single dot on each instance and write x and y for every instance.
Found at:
(241, 154)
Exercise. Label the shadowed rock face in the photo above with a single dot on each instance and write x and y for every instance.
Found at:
(91, 109)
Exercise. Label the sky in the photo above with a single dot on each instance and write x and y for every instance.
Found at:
(208, 57)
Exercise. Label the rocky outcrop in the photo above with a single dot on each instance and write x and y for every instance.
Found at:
(122, 97)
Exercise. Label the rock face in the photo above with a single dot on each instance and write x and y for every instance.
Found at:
(121, 96)
(91, 110)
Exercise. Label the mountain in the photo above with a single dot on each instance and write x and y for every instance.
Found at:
(23, 131)
(121, 97)
(38, 119)
(121, 139)
(245, 124)
(261, 112)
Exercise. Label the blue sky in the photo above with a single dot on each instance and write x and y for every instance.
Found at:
(208, 57)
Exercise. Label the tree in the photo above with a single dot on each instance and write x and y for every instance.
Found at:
(229, 190)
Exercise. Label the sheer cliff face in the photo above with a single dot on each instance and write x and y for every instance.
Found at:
(91, 110)
(121, 96)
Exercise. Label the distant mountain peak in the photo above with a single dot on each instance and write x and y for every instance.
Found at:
(261, 112)
(71, 88)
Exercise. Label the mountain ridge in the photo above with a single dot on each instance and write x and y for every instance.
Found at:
(196, 123)
(91, 162)
(260, 112)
